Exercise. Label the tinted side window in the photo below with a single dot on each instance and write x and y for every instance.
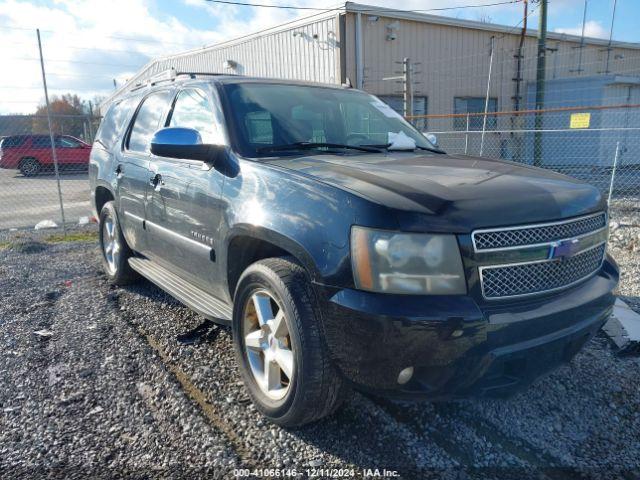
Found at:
(66, 142)
(147, 121)
(474, 105)
(41, 141)
(17, 141)
(193, 110)
(112, 122)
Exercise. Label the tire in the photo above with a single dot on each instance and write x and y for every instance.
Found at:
(30, 166)
(314, 388)
(114, 248)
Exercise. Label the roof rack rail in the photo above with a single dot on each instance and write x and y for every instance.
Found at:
(209, 74)
(138, 86)
(164, 76)
(170, 75)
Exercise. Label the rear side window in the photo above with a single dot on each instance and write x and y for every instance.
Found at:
(112, 122)
(41, 141)
(147, 121)
(9, 142)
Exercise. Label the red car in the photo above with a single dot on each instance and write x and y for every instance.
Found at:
(32, 154)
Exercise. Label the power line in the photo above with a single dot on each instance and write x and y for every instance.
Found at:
(288, 7)
(531, 12)
(116, 37)
(376, 9)
(80, 62)
(74, 47)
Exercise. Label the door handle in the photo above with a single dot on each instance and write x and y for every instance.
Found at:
(118, 170)
(156, 180)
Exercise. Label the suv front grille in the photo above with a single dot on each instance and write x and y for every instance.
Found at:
(545, 276)
(531, 235)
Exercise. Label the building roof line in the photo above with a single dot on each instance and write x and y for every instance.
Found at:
(352, 7)
(232, 42)
(473, 24)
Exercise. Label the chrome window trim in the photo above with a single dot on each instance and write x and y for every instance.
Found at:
(536, 225)
(540, 292)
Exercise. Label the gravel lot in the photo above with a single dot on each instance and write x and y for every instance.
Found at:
(112, 392)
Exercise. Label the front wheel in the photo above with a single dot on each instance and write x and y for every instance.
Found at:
(279, 347)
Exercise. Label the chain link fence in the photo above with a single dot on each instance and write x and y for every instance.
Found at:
(597, 144)
(41, 182)
(481, 103)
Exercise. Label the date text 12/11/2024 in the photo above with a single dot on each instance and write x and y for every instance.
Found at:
(315, 473)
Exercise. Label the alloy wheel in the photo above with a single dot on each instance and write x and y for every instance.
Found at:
(110, 244)
(268, 345)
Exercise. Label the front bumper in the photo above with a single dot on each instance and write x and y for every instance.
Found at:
(459, 347)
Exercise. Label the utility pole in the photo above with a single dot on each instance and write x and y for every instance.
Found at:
(407, 88)
(584, 23)
(518, 96)
(613, 17)
(516, 120)
(540, 80)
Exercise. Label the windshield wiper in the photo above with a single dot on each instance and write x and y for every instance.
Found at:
(387, 145)
(429, 149)
(313, 145)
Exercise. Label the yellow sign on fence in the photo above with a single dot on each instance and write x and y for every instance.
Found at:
(580, 120)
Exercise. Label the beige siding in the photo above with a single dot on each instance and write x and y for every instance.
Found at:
(454, 61)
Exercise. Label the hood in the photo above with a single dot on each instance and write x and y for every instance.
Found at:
(453, 192)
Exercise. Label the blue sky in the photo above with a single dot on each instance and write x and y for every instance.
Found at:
(563, 14)
(89, 43)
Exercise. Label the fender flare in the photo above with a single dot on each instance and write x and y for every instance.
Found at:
(279, 240)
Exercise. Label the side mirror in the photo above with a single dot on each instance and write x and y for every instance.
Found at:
(431, 138)
(184, 143)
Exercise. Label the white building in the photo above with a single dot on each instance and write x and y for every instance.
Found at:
(366, 44)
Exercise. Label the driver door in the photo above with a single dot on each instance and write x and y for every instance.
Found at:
(184, 209)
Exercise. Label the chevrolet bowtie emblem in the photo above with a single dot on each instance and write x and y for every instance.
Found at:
(564, 248)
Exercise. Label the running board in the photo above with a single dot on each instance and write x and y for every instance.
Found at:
(193, 297)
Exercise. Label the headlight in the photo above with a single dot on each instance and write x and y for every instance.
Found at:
(409, 263)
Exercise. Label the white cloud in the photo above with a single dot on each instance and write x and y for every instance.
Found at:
(86, 44)
(592, 28)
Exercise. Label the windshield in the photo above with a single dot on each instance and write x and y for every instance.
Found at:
(268, 117)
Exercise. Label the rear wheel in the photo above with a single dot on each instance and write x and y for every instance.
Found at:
(115, 251)
(279, 345)
(30, 166)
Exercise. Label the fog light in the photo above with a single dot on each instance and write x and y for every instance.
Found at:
(405, 375)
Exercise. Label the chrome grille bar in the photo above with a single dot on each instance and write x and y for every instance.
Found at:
(541, 258)
(538, 234)
(522, 279)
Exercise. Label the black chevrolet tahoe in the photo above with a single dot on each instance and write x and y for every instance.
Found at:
(342, 247)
